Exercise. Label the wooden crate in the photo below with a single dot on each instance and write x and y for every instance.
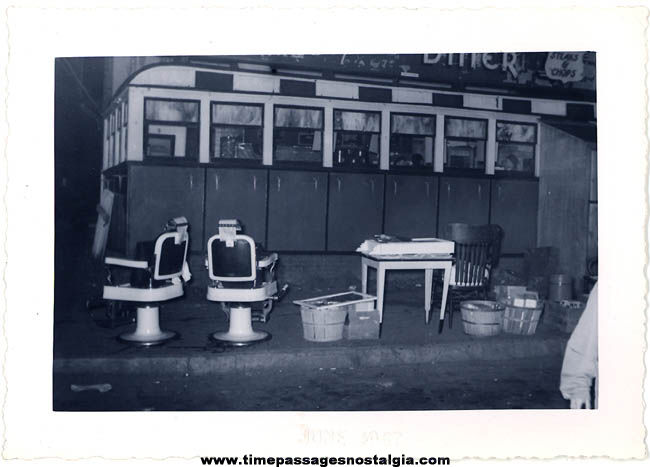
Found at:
(563, 316)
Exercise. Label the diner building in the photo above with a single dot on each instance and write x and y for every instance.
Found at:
(313, 154)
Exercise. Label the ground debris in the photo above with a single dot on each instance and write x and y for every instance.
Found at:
(104, 387)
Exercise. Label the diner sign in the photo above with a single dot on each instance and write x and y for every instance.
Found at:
(523, 72)
(507, 62)
(565, 66)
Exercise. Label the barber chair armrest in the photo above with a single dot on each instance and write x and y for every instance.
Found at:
(267, 261)
(127, 263)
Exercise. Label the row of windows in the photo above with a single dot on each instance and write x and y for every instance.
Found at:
(171, 129)
(116, 135)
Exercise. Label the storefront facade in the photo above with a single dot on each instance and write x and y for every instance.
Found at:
(317, 164)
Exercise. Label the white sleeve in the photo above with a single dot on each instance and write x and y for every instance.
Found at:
(580, 364)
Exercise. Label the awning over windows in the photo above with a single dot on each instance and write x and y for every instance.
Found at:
(584, 131)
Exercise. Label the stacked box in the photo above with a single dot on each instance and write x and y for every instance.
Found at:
(502, 292)
(564, 315)
(362, 325)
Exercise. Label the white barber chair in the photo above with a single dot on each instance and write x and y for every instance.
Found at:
(238, 278)
(156, 276)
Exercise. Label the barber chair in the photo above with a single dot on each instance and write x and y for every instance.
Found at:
(157, 275)
(240, 276)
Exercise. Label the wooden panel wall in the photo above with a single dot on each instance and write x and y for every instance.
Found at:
(564, 184)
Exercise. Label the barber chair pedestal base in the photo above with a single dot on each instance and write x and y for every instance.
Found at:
(147, 330)
(241, 330)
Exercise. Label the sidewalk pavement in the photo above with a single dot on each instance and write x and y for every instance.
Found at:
(81, 346)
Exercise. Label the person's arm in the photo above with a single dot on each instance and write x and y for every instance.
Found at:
(580, 364)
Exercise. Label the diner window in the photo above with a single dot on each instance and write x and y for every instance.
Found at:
(107, 142)
(118, 134)
(236, 131)
(124, 144)
(114, 150)
(298, 134)
(171, 128)
(465, 143)
(411, 140)
(356, 138)
(124, 131)
(516, 147)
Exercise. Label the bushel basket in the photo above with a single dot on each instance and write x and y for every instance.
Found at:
(481, 317)
(323, 318)
(323, 325)
(521, 320)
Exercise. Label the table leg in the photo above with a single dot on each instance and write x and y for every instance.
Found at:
(364, 277)
(428, 281)
(381, 276)
(445, 288)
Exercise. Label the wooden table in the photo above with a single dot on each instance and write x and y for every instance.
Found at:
(413, 261)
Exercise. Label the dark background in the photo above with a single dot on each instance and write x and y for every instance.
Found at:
(77, 139)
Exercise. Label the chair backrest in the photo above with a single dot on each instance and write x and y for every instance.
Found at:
(495, 246)
(231, 256)
(476, 250)
(170, 250)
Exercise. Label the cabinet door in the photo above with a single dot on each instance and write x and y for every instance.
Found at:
(160, 193)
(297, 203)
(411, 205)
(514, 208)
(355, 209)
(236, 194)
(463, 200)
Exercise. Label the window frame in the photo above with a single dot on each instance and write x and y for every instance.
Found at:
(533, 145)
(433, 135)
(146, 122)
(357, 132)
(304, 129)
(170, 138)
(464, 138)
(232, 125)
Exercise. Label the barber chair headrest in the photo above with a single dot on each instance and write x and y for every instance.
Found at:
(178, 225)
(228, 229)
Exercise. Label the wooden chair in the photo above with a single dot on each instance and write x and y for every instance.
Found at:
(476, 253)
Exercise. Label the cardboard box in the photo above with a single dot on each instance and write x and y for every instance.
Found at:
(504, 291)
(362, 325)
(564, 315)
(519, 301)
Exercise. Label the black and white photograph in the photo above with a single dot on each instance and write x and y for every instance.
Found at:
(370, 246)
(313, 231)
